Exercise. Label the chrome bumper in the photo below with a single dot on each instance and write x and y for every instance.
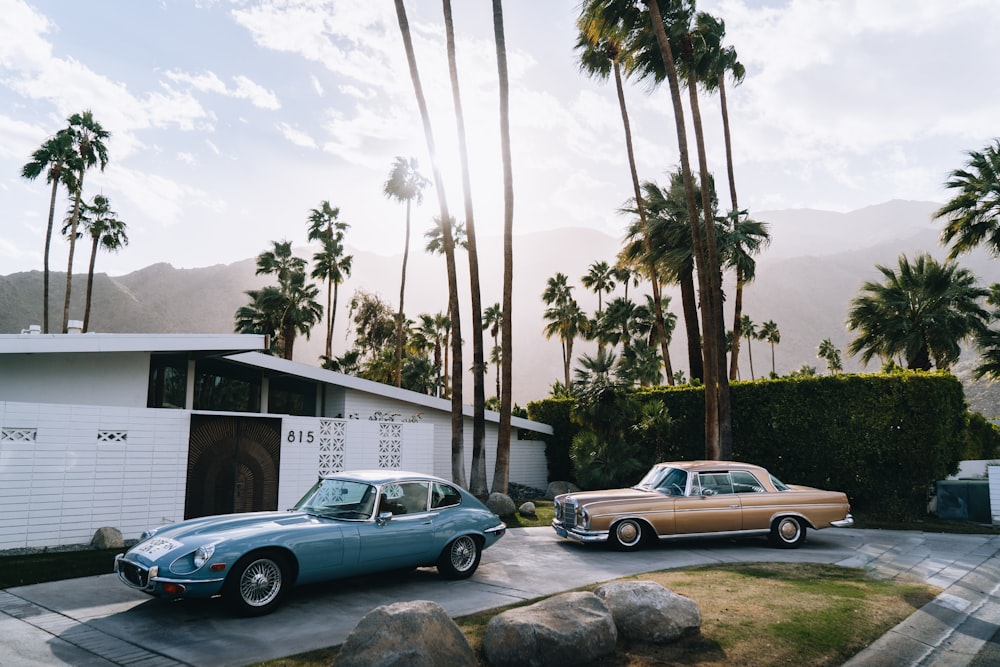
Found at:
(846, 522)
(579, 534)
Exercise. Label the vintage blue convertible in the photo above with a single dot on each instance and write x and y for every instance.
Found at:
(348, 524)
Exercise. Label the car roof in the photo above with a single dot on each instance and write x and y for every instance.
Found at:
(382, 476)
(708, 466)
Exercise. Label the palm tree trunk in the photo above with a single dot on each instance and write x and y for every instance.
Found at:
(689, 306)
(402, 291)
(48, 247)
(72, 247)
(457, 418)
(477, 473)
(703, 268)
(90, 284)
(658, 325)
(329, 318)
(734, 359)
(502, 469)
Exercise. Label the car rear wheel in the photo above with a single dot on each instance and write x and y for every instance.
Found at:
(627, 535)
(257, 583)
(460, 558)
(788, 532)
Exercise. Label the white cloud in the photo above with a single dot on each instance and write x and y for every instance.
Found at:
(296, 136)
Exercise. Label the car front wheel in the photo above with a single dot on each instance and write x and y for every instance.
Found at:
(257, 583)
(627, 535)
(460, 558)
(788, 532)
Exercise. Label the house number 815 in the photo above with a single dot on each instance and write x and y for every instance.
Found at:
(300, 436)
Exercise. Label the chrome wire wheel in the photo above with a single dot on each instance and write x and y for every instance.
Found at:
(463, 553)
(260, 582)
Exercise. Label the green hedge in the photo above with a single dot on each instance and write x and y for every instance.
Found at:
(883, 439)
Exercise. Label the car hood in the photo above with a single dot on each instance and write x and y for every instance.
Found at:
(584, 497)
(193, 533)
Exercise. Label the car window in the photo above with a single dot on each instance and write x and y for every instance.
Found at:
(745, 482)
(715, 482)
(404, 498)
(778, 484)
(340, 499)
(443, 495)
(674, 483)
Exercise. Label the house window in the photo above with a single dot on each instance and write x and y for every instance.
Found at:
(225, 387)
(167, 381)
(290, 396)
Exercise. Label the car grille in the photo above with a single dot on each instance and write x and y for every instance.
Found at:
(566, 513)
(133, 574)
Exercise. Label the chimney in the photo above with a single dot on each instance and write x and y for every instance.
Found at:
(32, 329)
(74, 326)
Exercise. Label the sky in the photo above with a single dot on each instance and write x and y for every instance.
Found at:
(231, 119)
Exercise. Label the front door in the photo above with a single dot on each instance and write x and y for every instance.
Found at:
(233, 465)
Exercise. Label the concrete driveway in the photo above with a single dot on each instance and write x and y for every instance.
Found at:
(96, 621)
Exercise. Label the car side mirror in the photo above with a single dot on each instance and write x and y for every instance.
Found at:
(708, 492)
(383, 518)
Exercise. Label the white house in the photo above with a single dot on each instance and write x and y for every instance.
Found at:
(137, 430)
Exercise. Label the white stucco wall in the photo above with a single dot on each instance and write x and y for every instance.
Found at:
(94, 378)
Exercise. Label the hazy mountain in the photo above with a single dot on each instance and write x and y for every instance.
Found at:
(816, 264)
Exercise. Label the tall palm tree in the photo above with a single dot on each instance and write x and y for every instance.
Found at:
(262, 315)
(330, 263)
(769, 332)
(601, 46)
(106, 231)
(405, 184)
(432, 332)
(922, 313)
(741, 238)
(502, 468)
(298, 311)
(829, 353)
(749, 331)
(567, 321)
(58, 159)
(600, 280)
(493, 318)
(972, 216)
(617, 323)
(477, 476)
(88, 139)
(457, 417)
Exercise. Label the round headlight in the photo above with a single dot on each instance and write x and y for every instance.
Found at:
(148, 534)
(202, 554)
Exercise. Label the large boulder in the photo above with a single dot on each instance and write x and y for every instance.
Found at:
(107, 538)
(501, 505)
(406, 634)
(528, 510)
(555, 488)
(645, 611)
(568, 629)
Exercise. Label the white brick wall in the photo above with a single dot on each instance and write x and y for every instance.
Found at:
(993, 474)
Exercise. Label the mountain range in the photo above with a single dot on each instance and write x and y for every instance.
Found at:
(815, 265)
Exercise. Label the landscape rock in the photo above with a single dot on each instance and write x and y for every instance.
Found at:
(527, 510)
(648, 612)
(501, 505)
(406, 634)
(568, 629)
(107, 538)
(555, 488)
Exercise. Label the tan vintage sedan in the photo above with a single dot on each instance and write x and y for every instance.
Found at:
(700, 499)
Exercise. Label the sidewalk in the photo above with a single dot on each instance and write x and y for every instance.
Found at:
(97, 622)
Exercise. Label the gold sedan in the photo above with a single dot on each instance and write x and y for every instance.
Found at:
(704, 499)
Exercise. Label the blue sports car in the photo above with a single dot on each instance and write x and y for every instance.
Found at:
(348, 524)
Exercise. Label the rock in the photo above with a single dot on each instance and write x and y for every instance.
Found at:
(555, 488)
(527, 509)
(501, 505)
(406, 634)
(568, 629)
(645, 611)
(107, 538)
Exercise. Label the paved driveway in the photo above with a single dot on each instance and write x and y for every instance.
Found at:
(96, 621)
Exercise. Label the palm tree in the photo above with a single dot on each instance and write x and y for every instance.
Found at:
(477, 477)
(262, 315)
(600, 280)
(601, 46)
(429, 335)
(493, 318)
(88, 140)
(405, 184)
(457, 417)
(60, 161)
(749, 330)
(106, 231)
(297, 311)
(567, 321)
(922, 313)
(330, 263)
(741, 238)
(769, 332)
(502, 468)
(616, 323)
(829, 353)
(973, 215)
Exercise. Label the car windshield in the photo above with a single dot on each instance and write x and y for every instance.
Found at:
(339, 499)
(671, 481)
